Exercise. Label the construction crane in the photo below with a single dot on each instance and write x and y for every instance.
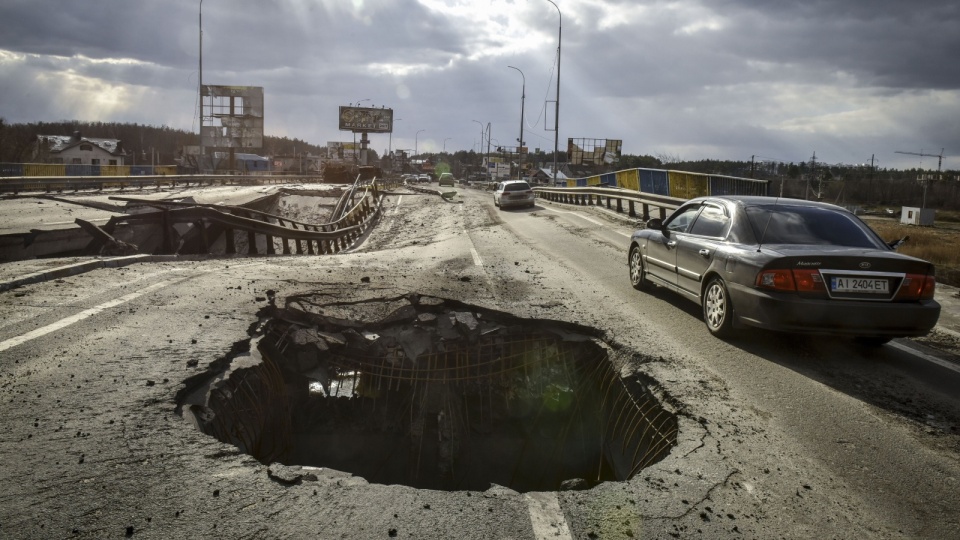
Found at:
(921, 154)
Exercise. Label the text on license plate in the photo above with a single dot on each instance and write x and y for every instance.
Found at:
(859, 285)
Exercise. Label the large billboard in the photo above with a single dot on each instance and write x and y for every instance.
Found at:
(232, 117)
(594, 151)
(366, 119)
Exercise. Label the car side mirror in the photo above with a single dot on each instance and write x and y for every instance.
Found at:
(655, 223)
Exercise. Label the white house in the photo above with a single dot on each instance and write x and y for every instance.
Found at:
(76, 149)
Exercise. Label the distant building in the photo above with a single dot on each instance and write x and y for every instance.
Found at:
(545, 176)
(79, 150)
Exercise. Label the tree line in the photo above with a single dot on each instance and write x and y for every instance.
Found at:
(18, 142)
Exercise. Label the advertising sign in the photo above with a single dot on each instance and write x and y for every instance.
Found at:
(366, 119)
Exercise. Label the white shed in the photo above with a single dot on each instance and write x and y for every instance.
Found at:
(917, 216)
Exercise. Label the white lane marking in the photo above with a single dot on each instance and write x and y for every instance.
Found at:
(477, 261)
(923, 356)
(585, 218)
(63, 323)
(547, 517)
(397, 209)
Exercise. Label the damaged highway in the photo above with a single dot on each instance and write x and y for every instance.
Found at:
(449, 371)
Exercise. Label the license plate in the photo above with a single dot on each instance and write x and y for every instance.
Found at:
(859, 285)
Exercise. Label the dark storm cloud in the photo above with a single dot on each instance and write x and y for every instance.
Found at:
(718, 79)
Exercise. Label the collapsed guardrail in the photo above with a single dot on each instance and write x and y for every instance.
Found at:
(204, 225)
(612, 198)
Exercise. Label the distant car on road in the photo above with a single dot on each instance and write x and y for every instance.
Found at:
(513, 193)
(785, 265)
(423, 178)
(446, 179)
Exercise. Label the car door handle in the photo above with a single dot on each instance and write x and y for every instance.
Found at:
(671, 244)
(704, 252)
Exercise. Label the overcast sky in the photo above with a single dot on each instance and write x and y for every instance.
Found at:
(717, 79)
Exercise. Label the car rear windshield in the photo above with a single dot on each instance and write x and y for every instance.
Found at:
(809, 225)
(519, 186)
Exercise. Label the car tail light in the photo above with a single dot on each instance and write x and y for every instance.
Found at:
(917, 287)
(804, 281)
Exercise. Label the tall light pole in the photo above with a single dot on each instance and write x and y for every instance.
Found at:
(523, 96)
(200, 93)
(445, 144)
(415, 152)
(556, 115)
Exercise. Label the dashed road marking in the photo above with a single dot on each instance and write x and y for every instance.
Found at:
(477, 261)
(63, 323)
(547, 517)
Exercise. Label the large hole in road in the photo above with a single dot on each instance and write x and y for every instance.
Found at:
(434, 394)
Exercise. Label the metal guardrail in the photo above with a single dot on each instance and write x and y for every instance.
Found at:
(612, 198)
(49, 184)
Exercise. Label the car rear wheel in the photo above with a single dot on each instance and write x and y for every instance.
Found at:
(637, 279)
(718, 309)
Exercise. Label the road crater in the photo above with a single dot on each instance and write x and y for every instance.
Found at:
(431, 393)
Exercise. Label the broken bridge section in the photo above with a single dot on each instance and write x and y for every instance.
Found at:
(434, 394)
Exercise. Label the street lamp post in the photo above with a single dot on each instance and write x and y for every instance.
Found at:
(445, 144)
(556, 115)
(523, 96)
(200, 94)
(415, 151)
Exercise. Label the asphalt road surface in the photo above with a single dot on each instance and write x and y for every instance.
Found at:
(779, 436)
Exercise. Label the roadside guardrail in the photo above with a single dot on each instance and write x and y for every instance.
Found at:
(621, 200)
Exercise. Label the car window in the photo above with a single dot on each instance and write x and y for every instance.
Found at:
(517, 186)
(681, 218)
(799, 225)
(712, 221)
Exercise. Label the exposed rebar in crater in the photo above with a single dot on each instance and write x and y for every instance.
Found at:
(436, 394)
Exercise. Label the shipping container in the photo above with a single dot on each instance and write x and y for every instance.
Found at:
(629, 179)
(654, 181)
